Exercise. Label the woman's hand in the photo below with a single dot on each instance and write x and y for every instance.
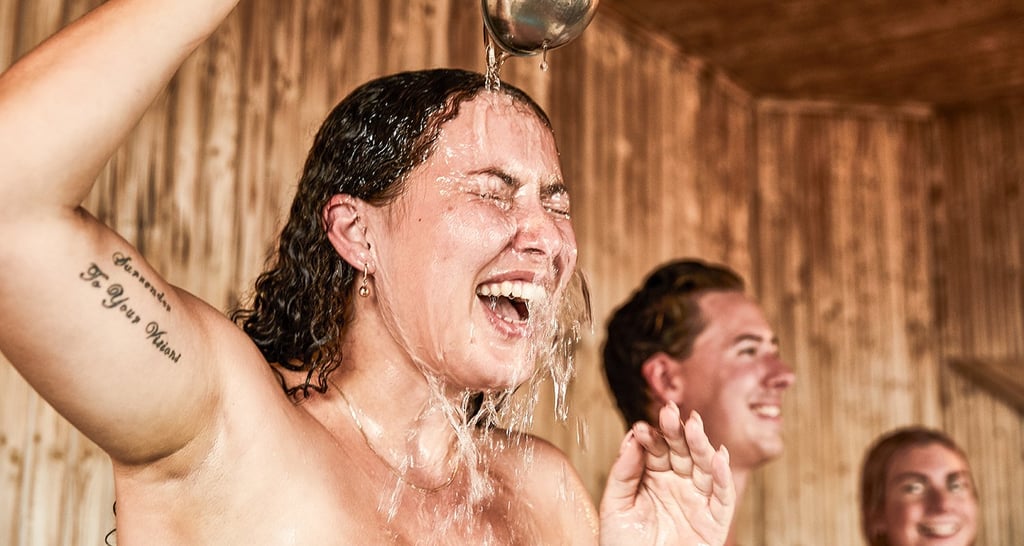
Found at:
(668, 486)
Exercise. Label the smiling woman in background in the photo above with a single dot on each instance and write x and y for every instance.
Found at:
(916, 488)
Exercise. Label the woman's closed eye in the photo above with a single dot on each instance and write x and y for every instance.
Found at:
(558, 207)
(491, 191)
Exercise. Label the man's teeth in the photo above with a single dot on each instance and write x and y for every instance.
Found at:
(519, 290)
(767, 410)
(939, 530)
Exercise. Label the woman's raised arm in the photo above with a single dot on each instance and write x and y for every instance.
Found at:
(124, 356)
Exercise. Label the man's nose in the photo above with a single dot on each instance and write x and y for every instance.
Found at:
(780, 376)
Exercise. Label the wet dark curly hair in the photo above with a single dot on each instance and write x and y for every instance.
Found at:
(664, 316)
(365, 148)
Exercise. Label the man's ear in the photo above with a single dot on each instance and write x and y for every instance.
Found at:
(661, 373)
(343, 221)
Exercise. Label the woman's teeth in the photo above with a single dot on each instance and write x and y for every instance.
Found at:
(938, 530)
(528, 292)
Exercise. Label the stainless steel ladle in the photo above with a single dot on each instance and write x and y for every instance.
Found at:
(529, 27)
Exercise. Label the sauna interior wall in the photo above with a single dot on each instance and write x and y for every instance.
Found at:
(978, 220)
(844, 222)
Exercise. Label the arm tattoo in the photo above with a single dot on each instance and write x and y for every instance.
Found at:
(116, 299)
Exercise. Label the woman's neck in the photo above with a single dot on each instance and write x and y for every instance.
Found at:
(404, 418)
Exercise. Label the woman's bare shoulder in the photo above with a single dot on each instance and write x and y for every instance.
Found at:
(542, 475)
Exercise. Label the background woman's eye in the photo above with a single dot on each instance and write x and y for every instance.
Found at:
(912, 488)
(960, 485)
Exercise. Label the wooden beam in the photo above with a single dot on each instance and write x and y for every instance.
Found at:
(1002, 378)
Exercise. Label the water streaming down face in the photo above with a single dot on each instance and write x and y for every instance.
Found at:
(486, 424)
(497, 307)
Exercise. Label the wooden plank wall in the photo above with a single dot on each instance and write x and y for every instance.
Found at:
(846, 222)
(843, 261)
(979, 272)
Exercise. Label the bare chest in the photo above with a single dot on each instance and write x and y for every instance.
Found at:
(288, 495)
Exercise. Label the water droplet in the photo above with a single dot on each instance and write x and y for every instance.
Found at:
(582, 434)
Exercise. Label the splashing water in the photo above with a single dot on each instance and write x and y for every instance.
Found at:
(495, 58)
(487, 424)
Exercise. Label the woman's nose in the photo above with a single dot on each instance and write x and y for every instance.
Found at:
(537, 231)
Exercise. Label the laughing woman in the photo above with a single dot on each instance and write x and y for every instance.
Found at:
(916, 488)
(421, 277)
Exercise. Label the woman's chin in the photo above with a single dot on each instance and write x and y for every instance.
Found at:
(491, 378)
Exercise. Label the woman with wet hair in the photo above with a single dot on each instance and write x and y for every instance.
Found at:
(916, 488)
(427, 270)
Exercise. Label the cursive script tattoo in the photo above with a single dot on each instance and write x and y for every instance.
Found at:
(156, 335)
(124, 261)
(117, 299)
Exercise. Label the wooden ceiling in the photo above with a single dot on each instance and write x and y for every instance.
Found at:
(932, 52)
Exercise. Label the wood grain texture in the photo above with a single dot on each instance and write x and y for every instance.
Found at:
(979, 270)
(914, 51)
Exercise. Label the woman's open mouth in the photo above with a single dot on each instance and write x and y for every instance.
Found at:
(511, 301)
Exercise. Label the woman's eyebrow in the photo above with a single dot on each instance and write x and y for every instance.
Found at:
(557, 187)
(958, 474)
(504, 176)
(909, 475)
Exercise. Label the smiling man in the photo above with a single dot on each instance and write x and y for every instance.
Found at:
(691, 336)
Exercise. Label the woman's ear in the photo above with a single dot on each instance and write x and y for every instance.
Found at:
(343, 222)
(661, 373)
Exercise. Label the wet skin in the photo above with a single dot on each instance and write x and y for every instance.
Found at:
(487, 215)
